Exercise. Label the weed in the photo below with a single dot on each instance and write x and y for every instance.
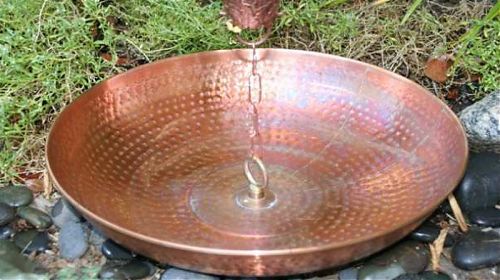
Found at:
(479, 52)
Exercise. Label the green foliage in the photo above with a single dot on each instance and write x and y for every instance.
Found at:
(47, 57)
(480, 51)
(411, 10)
(482, 56)
(175, 27)
(84, 273)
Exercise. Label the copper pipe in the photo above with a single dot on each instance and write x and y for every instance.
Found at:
(252, 14)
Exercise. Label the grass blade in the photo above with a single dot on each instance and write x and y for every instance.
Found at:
(493, 13)
(411, 10)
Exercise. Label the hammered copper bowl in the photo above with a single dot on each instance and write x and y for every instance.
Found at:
(357, 158)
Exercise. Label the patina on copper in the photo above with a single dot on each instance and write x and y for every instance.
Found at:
(252, 14)
(356, 157)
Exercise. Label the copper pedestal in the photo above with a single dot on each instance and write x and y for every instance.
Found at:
(357, 157)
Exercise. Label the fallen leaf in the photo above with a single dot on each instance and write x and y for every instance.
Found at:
(453, 94)
(475, 78)
(122, 60)
(30, 175)
(232, 28)
(436, 68)
(35, 185)
(106, 56)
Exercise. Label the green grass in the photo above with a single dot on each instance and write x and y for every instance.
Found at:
(411, 10)
(49, 50)
(479, 51)
(47, 57)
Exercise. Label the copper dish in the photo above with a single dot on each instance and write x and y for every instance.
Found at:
(357, 158)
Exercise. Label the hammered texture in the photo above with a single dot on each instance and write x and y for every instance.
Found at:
(252, 14)
(357, 156)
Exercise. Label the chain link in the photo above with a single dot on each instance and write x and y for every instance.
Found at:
(254, 99)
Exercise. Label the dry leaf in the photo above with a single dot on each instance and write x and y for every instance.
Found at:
(232, 28)
(30, 175)
(453, 94)
(475, 78)
(106, 56)
(122, 60)
(35, 185)
(437, 68)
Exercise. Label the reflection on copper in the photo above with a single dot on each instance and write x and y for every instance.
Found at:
(357, 157)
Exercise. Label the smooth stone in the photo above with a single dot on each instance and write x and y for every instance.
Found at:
(411, 255)
(7, 214)
(479, 186)
(446, 266)
(428, 233)
(16, 196)
(137, 269)
(96, 237)
(12, 262)
(113, 251)
(32, 241)
(134, 269)
(181, 274)
(481, 122)
(375, 272)
(409, 276)
(72, 241)
(111, 271)
(487, 217)
(350, 273)
(6, 232)
(476, 250)
(7, 247)
(42, 204)
(426, 275)
(63, 212)
(35, 217)
(11, 273)
(431, 275)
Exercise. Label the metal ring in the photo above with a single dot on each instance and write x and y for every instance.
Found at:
(258, 42)
(251, 83)
(249, 175)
